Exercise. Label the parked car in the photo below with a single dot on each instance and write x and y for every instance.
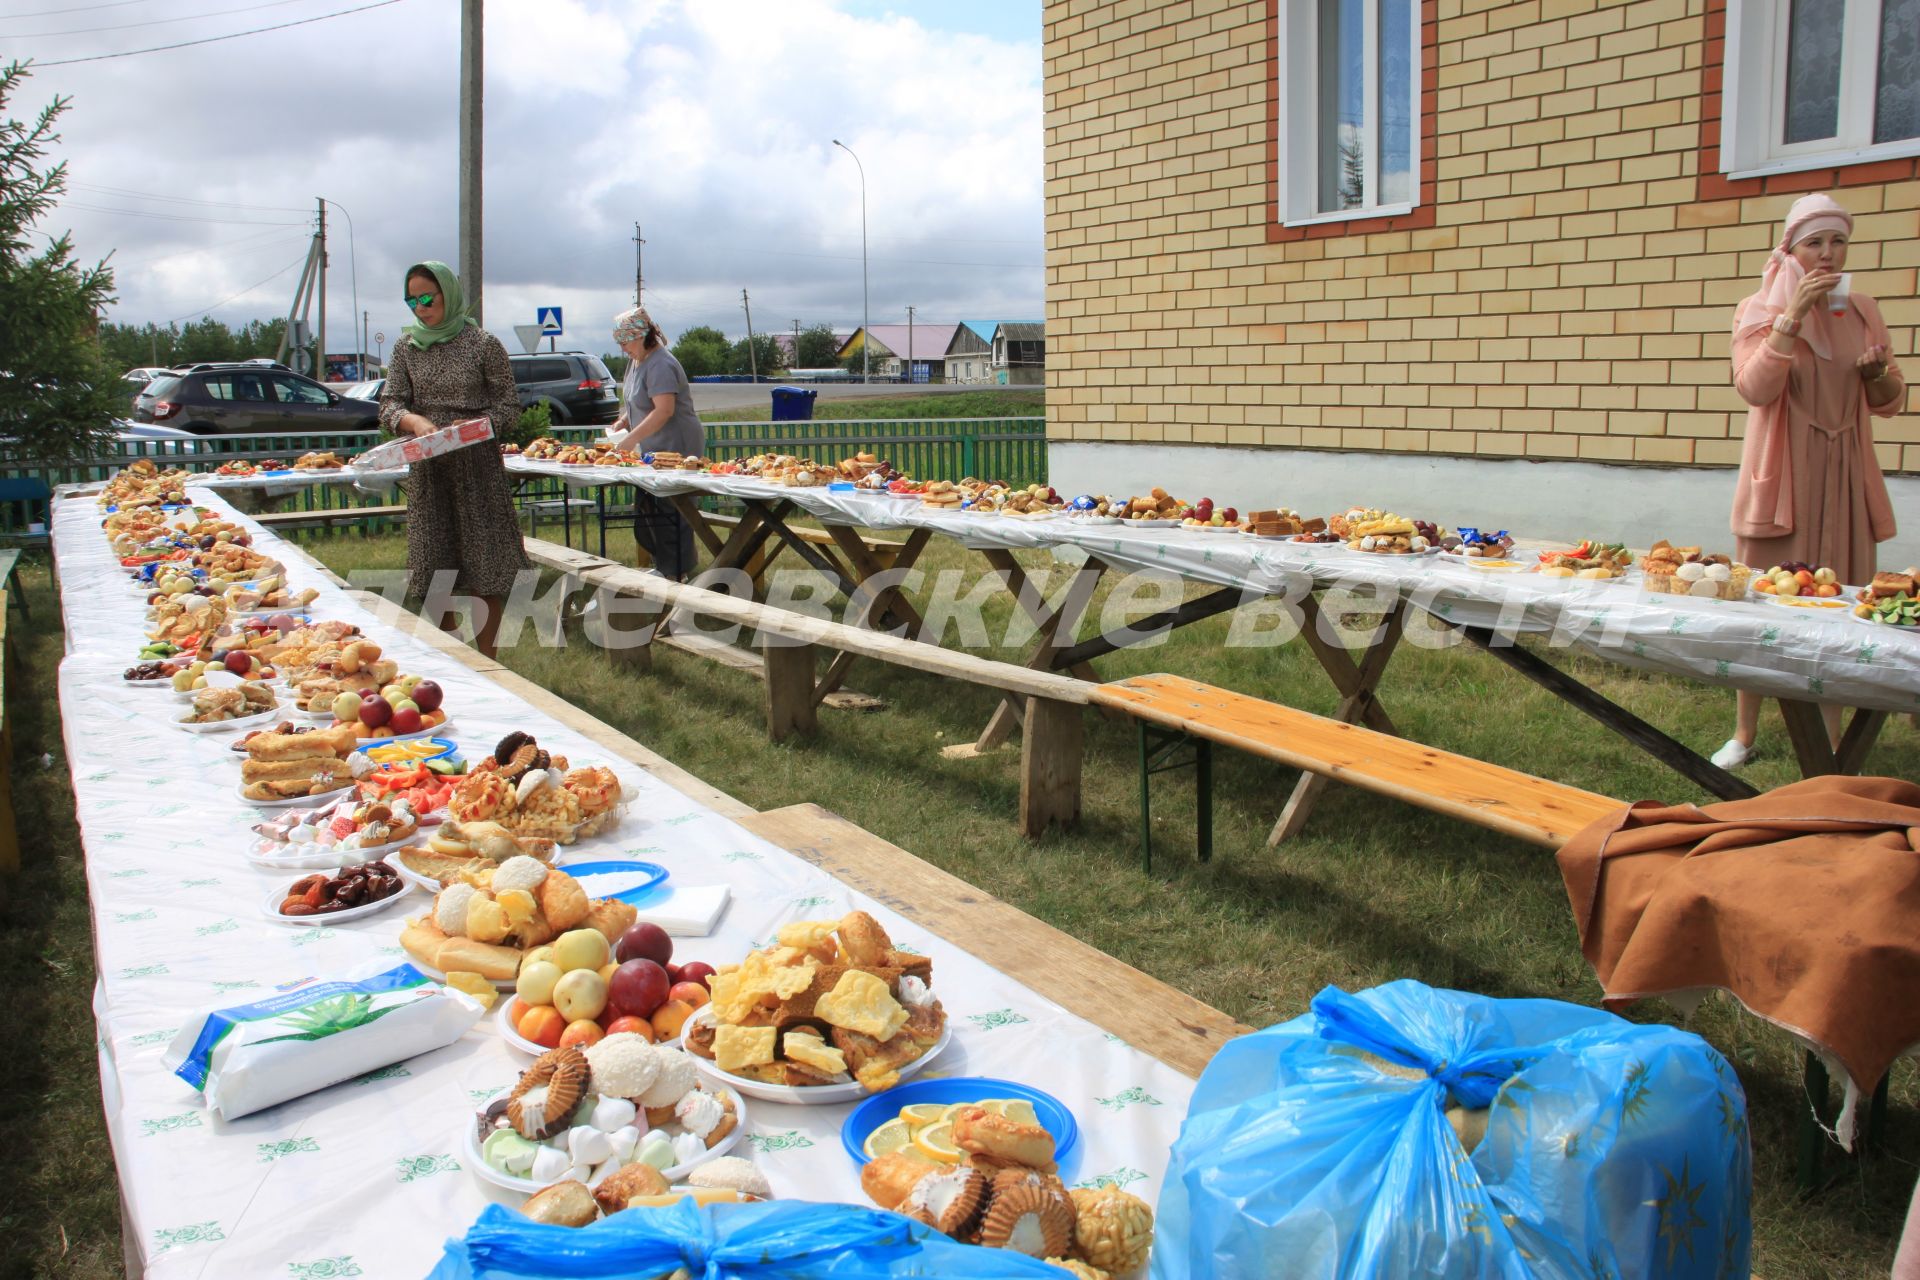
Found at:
(248, 399)
(365, 390)
(575, 387)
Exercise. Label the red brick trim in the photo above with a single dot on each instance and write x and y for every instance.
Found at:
(1715, 185)
(1423, 214)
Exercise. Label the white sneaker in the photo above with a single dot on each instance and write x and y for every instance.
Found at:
(1734, 754)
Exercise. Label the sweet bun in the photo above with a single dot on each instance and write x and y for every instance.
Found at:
(981, 1132)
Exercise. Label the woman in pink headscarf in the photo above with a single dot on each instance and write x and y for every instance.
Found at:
(1814, 364)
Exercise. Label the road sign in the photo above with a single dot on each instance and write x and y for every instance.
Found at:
(379, 337)
(550, 325)
(301, 360)
(529, 335)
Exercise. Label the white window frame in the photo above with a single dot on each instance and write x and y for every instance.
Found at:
(1297, 68)
(1753, 94)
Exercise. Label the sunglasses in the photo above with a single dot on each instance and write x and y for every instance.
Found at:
(424, 300)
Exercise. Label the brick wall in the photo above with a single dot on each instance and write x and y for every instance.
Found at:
(1568, 292)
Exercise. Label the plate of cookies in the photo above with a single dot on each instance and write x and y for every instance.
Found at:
(830, 1011)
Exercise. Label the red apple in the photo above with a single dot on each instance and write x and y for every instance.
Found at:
(427, 695)
(645, 941)
(375, 711)
(638, 987)
(239, 661)
(697, 971)
(405, 720)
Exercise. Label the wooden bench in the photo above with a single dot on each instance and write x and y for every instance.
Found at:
(1148, 1014)
(329, 519)
(1052, 746)
(1186, 712)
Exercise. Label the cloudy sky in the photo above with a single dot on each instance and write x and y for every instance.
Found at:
(708, 121)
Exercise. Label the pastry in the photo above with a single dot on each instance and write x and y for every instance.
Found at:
(626, 1182)
(564, 1204)
(887, 1180)
(1028, 1220)
(948, 1200)
(548, 1092)
(731, 1173)
(1112, 1229)
(979, 1131)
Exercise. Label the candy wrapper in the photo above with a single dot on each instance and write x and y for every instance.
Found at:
(408, 450)
(316, 1032)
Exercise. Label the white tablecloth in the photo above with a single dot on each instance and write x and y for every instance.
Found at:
(365, 1178)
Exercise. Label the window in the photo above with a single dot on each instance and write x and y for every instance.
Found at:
(240, 386)
(1349, 102)
(294, 391)
(526, 371)
(1814, 83)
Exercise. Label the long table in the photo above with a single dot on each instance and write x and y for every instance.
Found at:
(1802, 657)
(365, 1177)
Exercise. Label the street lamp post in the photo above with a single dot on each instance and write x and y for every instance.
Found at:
(353, 259)
(866, 330)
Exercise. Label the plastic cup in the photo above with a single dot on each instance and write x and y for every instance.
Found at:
(1837, 296)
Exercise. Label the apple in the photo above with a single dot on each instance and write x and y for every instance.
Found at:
(282, 622)
(536, 982)
(691, 994)
(346, 706)
(406, 704)
(697, 971)
(580, 993)
(406, 719)
(409, 683)
(673, 973)
(638, 988)
(534, 954)
(426, 695)
(374, 711)
(393, 695)
(580, 949)
(1233, 516)
(645, 941)
(239, 661)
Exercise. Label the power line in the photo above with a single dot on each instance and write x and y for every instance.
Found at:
(187, 44)
(218, 204)
(243, 293)
(72, 8)
(176, 217)
(260, 242)
(151, 22)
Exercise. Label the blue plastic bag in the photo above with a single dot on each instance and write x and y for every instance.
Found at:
(789, 1239)
(1612, 1150)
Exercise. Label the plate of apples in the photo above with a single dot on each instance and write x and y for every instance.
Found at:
(1800, 586)
(406, 707)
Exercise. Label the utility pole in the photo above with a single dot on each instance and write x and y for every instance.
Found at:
(909, 344)
(471, 82)
(753, 360)
(796, 342)
(364, 331)
(636, 263)
(301, 293)
(320, 334)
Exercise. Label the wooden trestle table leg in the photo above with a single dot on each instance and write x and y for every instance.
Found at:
(889, 604)
(1807, 730)
(1048, 646)
(1356, 682)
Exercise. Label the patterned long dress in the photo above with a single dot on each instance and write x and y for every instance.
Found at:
(459, 509)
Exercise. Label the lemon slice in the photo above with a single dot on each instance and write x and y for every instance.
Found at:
(936, 1141)
(888, 1138)
(1020, 1112)
(998, 1106)
(953, 1109)
(921, 1113)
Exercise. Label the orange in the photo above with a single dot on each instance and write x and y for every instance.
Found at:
(543, 1025)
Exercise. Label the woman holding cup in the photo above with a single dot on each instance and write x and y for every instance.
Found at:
(1811, 358)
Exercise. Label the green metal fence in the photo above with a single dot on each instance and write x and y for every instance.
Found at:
(1010, 449)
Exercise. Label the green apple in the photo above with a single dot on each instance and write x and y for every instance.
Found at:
(408, 683)
(346, 706)
(405, 704)
(580, 949)
(537, 980)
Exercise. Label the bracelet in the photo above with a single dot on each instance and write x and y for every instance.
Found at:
(1783, 325)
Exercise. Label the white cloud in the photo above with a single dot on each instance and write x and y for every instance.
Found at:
(710, 123)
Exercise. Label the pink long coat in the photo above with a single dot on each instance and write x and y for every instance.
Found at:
(1810, 486)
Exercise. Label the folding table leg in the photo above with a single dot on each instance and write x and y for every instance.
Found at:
(1203, 795)
(1358, 706)
(1813, 1136)
(1146, 801)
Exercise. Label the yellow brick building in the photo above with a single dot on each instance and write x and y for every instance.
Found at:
(1356, 250)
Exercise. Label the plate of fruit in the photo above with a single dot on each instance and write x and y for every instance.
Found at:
(1800, 586)
(394, 712)
(362, 889)
(152, 674)
(920, 1116)
(1210, 519)
(561, 997)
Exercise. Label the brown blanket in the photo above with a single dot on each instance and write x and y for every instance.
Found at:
(1803, 902)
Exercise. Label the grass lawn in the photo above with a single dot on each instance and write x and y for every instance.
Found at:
(1023, 402)
(1372, 891)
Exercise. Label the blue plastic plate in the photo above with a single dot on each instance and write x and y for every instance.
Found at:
(617, 878)
(882, 1107)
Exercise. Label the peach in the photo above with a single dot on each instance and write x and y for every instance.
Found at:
(670, 1017)
(543, 1025)
(692, 992)
(638, 1026)
(583, 1032)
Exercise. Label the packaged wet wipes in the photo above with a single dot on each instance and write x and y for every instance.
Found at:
(316, 1032)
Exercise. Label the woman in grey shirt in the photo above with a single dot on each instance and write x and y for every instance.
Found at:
(658, 418)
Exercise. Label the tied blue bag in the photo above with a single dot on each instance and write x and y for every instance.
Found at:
(1320, 1148)
(775, 1240)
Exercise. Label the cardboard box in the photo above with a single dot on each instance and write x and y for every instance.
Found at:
(408, 450)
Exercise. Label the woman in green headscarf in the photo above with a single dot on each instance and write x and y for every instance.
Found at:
(461, 532)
